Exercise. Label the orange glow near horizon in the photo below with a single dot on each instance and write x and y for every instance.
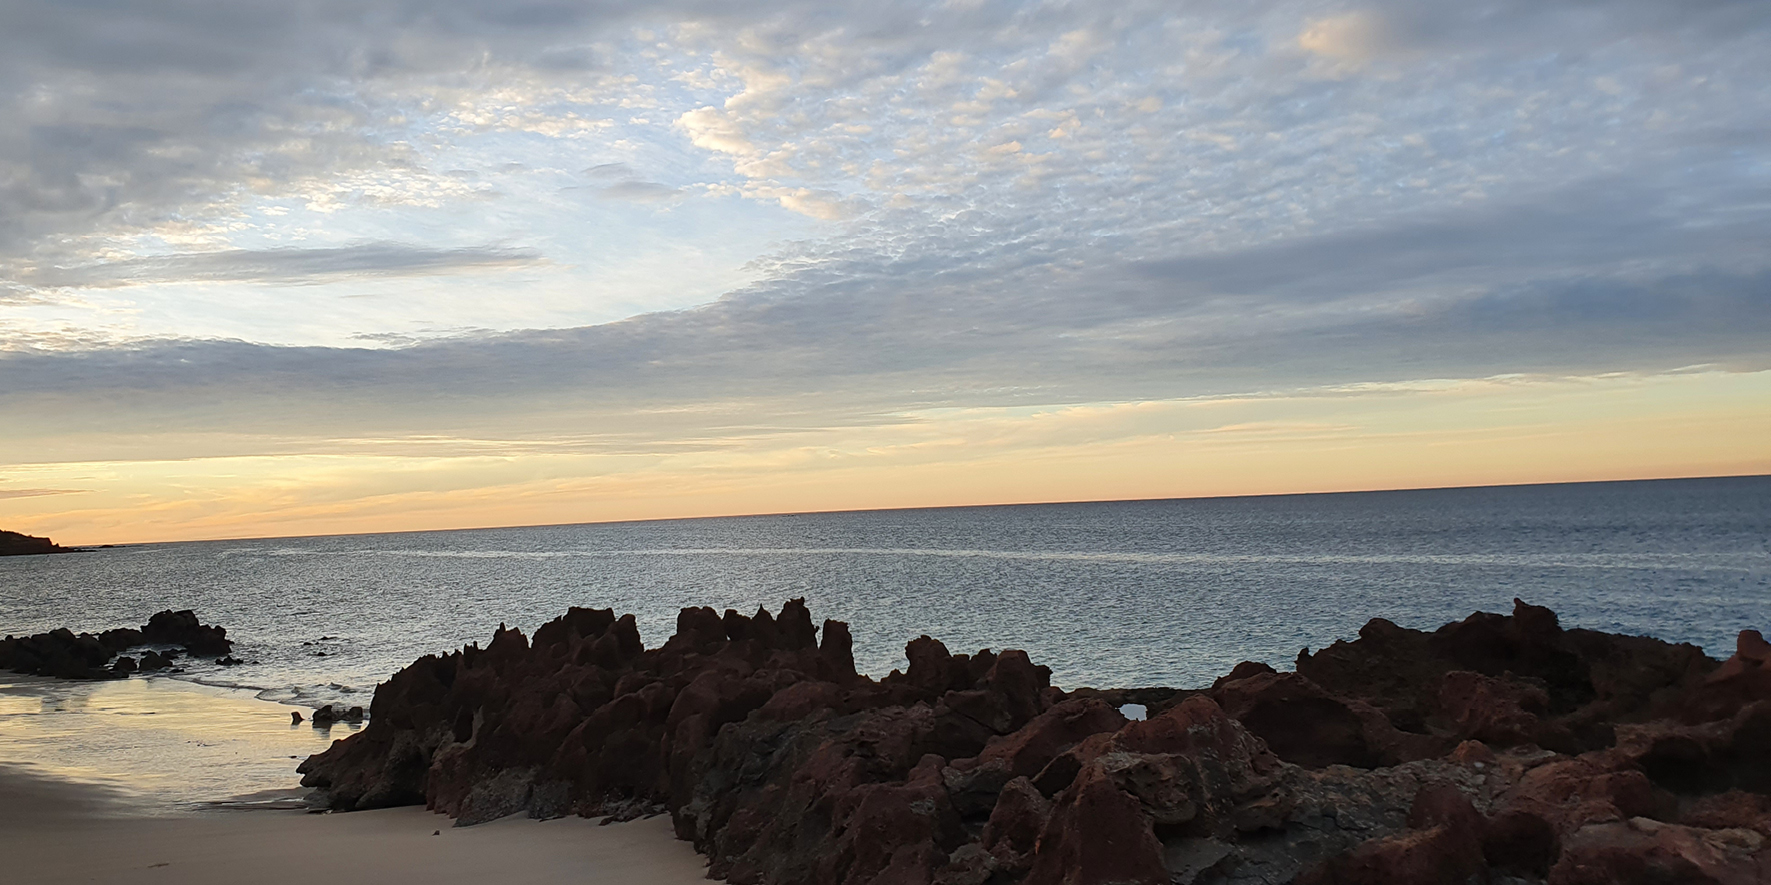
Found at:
(1474, 433)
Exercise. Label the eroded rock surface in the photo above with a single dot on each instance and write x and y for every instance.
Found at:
(1498, 749)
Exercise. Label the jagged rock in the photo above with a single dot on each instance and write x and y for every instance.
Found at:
(1026, 751)
(1098, 834)
(1501, 748)
(1570, 687)
(1499, 712)
(1019, 816)
(1308, 726)
(1742, 679)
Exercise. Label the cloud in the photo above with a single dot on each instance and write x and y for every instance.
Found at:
(1355, 37)
(37, 493)
(610, 171)
(639, 192)
(282, 265)
(1015, 204)
(866, 335)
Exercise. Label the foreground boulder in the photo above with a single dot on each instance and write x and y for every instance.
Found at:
(67, 655)
(1498, 749)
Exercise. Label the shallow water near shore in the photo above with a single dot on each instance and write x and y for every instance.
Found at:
(1106, 594)
(156, 745)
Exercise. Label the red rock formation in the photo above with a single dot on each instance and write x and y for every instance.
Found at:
(1497, 748)
(1740, 680)
(1531, 681)
(1307, 726)
(1443, 844)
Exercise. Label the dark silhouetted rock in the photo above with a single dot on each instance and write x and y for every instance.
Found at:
(15, 544)
(67, 655)
(60, 653)
(181, 628)
(328, 715)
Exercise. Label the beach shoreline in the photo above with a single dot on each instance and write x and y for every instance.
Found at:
(147, 780)
(55, 831)
(161, 745)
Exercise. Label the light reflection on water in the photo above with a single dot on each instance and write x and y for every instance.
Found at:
(162, 745)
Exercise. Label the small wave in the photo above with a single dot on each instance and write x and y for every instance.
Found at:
(212, 682)
(312, 695)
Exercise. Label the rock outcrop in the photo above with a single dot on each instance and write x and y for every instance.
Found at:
(327, 716)
(1498, 749)
(15, 544)
(68, 655)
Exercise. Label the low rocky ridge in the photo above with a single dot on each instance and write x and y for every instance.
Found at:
(1497, 749)
(15, 544)
(69, 655)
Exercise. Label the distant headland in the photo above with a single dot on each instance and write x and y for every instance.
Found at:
(15, 544)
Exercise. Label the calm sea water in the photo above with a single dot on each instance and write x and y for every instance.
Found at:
(1106, 594)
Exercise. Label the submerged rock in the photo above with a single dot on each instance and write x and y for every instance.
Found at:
(326, 716)
(1499, 748)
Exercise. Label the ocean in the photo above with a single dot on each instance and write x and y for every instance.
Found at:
(1112, 594)
(1131, 593)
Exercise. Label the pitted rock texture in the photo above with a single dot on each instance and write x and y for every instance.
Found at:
(1500, 749)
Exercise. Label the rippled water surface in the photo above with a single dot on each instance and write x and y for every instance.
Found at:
(1126, 593)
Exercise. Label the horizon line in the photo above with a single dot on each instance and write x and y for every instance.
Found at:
(1366, 491)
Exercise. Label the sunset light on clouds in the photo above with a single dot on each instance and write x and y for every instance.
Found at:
(311, 267)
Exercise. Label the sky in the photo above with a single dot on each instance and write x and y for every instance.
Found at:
(314, 266)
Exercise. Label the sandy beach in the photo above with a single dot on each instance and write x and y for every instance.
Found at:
(54, 831)
(143, 780)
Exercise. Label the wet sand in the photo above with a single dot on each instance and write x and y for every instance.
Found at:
(54, 831)
(165, 744)
(143, 780)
